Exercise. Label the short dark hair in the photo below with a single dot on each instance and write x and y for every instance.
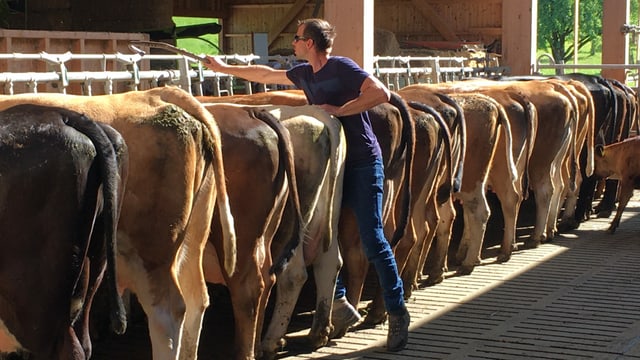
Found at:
(320, 31)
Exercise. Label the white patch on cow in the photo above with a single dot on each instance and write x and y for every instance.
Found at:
(8, 342)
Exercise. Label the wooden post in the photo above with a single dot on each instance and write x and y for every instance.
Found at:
(353, 20)
(519, 35)
(615, 43)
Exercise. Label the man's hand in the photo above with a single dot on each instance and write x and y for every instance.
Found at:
(214, 63)
(331, 109)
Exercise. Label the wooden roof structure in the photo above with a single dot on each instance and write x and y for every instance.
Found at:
(510, 23)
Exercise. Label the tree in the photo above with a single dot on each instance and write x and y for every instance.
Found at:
(555, 25)
(556, 22)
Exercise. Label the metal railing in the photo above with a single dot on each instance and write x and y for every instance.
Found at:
(632, 71)
(188, 74)
(399, 71)
(126, 71)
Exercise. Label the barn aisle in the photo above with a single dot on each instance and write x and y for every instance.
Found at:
(574, 298)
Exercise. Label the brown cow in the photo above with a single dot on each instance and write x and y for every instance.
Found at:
(62, 177)
(522, 117)
(176, 179)
(319, 147)
(620, 161)
(483, 117)
(555, 131)
(259, 169)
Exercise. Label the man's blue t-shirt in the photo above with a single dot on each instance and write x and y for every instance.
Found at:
(338, 82)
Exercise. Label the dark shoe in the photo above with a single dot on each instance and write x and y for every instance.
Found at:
(398, 335)
(343, 316)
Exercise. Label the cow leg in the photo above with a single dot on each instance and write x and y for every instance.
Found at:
(325, 271)
(409, 272)
(165, 314)
(608, 202)
(288, 286)
(626, 191)
(560, 178)
(510, 201)
(245, 289)
(423, 224)
(407, 245)
(189, 270)
(436, 269)
(194, 290)
(568, 221)
(476, 214)
(70, 348)
(542, 194)
(355, 263)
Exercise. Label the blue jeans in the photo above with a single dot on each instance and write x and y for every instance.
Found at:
(363, 186)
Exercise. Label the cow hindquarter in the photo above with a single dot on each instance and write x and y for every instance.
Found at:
(320, 149)
(175, 176)
(54, 163)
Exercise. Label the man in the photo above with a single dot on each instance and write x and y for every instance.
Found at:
(340, 87)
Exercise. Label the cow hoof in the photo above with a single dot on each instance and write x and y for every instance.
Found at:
(407, 292)
(465, 269)
(375, 317)
(568, 225)
(267, 355)
(317, 341)
(503, 258)
(433, 280)
(611, 230)
(532, 244)
(603, 214)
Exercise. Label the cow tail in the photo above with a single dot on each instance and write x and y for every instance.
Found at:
(531, 119)
(445, 138)
(459, 127)
(196, 109)
(612, 113)
(508, 135)
(286, 157)
(108, 165)
(591, 125)
(407, 141)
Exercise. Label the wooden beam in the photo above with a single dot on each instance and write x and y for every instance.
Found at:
(615, 43)
(429, 13)
(294, 10)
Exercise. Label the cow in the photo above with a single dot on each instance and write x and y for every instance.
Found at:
(394, 132)
(260, 173)
(605, 107)
(522, 117)
(625, 114)
(486, 120)
(277, 97)
(555, 137)
(319, 147)
(176, 181)
(433, 187)
(621, 161)
(62, 177)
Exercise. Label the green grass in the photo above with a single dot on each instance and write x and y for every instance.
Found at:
(584, 58)
(197, 46)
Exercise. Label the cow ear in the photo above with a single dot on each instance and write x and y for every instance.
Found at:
(599, 150)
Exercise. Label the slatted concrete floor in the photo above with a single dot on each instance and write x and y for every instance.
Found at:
(575, 298)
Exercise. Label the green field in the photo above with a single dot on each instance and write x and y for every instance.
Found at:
(207, 44)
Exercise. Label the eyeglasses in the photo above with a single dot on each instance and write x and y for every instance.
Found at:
(298, 37)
